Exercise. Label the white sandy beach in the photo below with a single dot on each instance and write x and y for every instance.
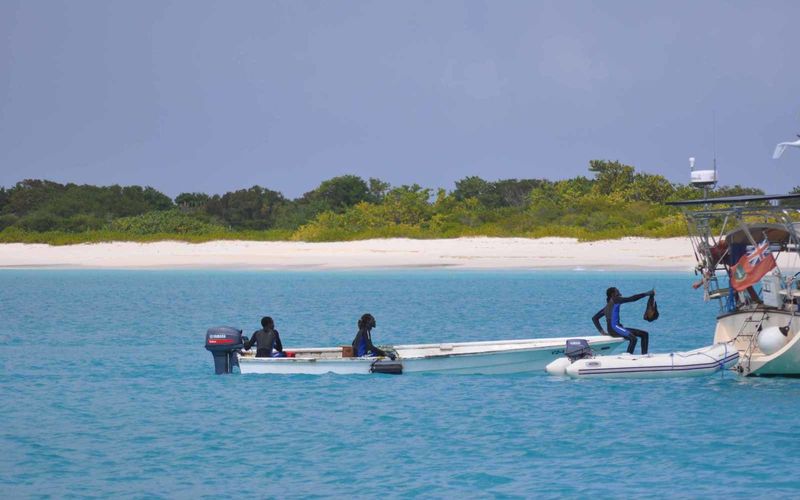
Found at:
(467, 253)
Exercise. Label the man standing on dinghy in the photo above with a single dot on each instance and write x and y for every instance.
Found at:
(362, 344)
(611, 311)
(267, 339)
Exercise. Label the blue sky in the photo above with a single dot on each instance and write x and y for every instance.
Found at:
(215, 96)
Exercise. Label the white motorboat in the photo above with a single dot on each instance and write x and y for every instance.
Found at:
(703, 361)
(752, 245)
(488, 357)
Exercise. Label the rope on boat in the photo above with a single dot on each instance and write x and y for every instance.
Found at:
(719, 362)
(722, 361)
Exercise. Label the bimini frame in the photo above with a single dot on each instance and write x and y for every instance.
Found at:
(715, 223)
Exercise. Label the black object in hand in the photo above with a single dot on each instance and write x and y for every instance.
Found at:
(651, 312)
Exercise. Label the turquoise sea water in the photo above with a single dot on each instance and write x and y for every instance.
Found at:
(106, 390)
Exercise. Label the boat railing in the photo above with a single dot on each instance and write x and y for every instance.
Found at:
(714, 224)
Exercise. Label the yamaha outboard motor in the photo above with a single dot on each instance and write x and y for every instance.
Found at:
(578, 349)
(224, 342)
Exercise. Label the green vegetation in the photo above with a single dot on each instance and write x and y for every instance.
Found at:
(163, 222)
(616, 201)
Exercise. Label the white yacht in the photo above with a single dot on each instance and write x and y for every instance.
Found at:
(748, 257)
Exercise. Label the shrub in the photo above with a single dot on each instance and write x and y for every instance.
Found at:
(167, 221)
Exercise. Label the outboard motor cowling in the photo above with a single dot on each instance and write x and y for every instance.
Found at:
(578, 349)
(224, 342)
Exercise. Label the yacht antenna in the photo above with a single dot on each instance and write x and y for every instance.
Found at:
(705, 179)
(714, 138)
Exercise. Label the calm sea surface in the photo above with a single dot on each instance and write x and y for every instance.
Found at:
(106, 390)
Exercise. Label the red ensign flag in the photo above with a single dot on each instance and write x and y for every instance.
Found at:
(752, 267)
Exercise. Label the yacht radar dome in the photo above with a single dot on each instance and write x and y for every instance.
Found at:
(702, 178)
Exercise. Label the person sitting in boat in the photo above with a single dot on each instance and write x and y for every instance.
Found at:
(611, 311)
(267, 340)
(362, 344)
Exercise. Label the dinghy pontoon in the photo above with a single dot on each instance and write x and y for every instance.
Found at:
(703, 361)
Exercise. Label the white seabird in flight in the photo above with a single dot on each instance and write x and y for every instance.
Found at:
(780, 148)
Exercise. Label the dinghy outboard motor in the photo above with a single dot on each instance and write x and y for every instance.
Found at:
(574, 350)
(224, 342)
(578, 349)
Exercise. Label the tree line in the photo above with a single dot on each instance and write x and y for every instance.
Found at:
(614, 201)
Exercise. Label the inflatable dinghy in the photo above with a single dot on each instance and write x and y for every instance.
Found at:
(703, 361)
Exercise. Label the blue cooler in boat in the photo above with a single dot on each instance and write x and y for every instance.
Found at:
(224, 342)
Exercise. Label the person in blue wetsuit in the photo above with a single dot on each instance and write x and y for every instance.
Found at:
(611, 311)
(362, 344)
(267, 340)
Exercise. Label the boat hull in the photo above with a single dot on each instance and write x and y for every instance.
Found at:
(698, 362)
(306, 366)
(735, 327)
(486, 358)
